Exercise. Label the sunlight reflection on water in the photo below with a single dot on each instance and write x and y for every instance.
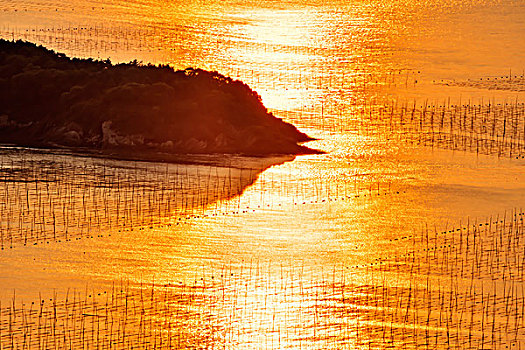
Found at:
(273, 223)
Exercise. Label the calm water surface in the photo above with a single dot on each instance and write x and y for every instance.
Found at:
(327, 67)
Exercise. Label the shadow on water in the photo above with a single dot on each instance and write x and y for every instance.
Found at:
(53, 196)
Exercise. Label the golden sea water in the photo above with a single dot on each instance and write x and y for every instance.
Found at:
(286, 252)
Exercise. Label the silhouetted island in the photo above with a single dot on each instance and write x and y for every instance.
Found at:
(50, 100)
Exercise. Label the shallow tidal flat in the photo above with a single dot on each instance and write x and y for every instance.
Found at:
(191, 266)
(407, 233)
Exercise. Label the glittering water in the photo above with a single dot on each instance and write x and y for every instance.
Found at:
(375, 244)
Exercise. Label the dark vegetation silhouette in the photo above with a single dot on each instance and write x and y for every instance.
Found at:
(50, 100)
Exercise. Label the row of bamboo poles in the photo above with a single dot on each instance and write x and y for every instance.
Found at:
(46, 198)
(458, 289)
(490, 129)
